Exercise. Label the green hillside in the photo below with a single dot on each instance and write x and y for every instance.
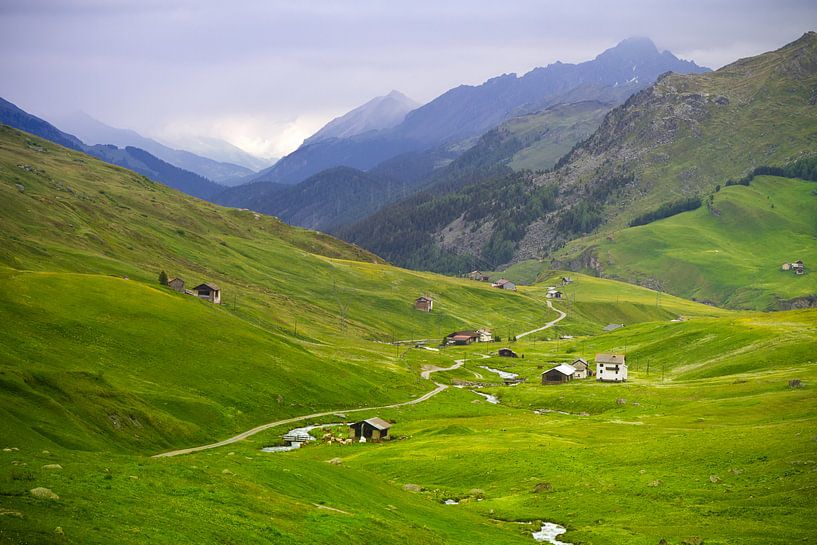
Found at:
(101, 368)
(729, 252)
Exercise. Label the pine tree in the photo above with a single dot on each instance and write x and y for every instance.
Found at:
(163, 278)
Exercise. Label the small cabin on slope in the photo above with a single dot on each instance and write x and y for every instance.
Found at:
(177, 284)
(504, 284)
(485, 335)
(477, 275)
(209, 292)
(507, 353)
(559, 374)
(582, 369)
(611, 368)
(424, 304)
(613, 327)
(373, 429)
(553, 293)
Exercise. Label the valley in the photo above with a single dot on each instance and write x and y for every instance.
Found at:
(573, 306)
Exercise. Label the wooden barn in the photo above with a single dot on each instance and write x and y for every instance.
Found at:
(582, 369)
(209, 292)
(373, 429)
(477, 275)
(559, 374)
(611, 368)
(504, 284)
(507, 353)
(177, 284)
(424, 303)
(462, 337)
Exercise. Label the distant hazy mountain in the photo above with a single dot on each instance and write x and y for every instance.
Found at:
(469, 111)
(223, 151)
(92, 132)
(379, 113)
(132, 158)
(13, 116)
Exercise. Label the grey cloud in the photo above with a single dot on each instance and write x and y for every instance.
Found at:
(148, 65)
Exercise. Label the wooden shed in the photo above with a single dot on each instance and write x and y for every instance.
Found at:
(177, 284)
(373, 429)
(209, 292)
(559, 374)
(424, 303)
(507, 353)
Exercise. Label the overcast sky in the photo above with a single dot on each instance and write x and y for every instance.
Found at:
(266, 74)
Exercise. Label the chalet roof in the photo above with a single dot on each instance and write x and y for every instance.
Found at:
(174, 279)
(564, 369)
(468, 333)
(579, 360)
(503, 281)
(613, 327)
(208, 285)
(609, 358)
(422, 299)
(378, 423)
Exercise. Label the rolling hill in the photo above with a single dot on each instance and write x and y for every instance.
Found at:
(129, 157)
(104, 367)
(728, 252)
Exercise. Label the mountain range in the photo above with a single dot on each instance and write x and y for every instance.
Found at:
(677, 139)
(468, 111)
(130, 157)
(92, 132)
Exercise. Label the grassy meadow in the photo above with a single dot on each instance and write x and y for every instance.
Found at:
(101, 368)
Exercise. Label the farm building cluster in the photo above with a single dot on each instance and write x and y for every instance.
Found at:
(206, 291)
(469, 336)
(609, 368)
(796, 267)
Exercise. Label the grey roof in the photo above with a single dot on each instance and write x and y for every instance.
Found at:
(580, 360)
(378, 423)
(208, 285)
(612, 327)
(609, 358)
(564, 369)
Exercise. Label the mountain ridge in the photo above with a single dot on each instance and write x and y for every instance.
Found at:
(468, 111)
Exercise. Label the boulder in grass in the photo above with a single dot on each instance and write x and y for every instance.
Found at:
(52, 466)
(44, 493)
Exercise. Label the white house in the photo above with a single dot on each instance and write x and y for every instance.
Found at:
(485, 335)
(553, 293)
(611, 368)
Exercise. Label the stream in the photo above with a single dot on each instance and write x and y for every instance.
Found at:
(502, 374)
(549, 532)
(302, 434)
(490, 398)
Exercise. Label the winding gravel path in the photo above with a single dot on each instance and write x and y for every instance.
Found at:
(426, 374)
(547, 325)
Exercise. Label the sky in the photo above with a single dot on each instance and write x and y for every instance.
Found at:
(265, 74)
